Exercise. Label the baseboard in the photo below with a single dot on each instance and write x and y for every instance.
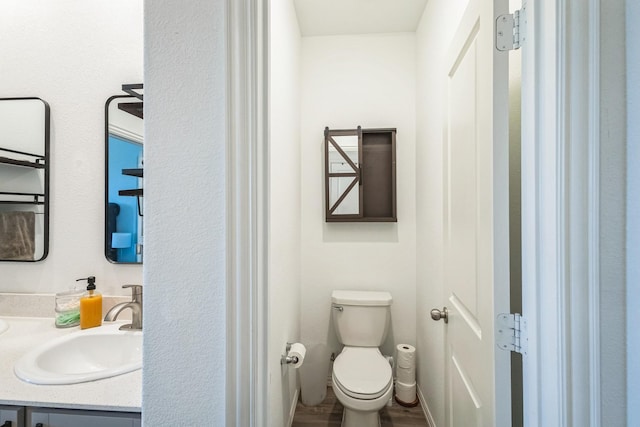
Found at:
(294, 403)
(425, 408)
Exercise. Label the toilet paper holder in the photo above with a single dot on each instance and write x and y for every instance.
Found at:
(287, 360)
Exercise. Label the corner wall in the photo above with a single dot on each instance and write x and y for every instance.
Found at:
(74, 55)
(366, 80)
(434, 34)
(633, 213)
(613, 158)
(284, 206)
(184, 380)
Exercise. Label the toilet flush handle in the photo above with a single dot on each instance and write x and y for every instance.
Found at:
(440, 314)
(338, 307)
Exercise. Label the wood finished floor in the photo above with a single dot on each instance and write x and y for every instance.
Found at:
(329, 414)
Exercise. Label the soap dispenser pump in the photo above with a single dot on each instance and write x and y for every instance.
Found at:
(90, 305)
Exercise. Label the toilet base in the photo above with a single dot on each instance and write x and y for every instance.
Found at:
(352, 418)
(361, 413)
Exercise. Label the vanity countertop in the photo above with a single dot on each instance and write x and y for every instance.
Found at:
(122, 393)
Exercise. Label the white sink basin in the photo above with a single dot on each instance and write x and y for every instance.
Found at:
(3, 326)
(82, 356)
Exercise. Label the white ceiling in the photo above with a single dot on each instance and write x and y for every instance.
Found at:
(334, 17)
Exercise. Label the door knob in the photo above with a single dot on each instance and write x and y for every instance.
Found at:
(440, 314)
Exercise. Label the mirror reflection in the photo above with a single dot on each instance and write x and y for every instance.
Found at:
(342, 173)
(343, 178)
(24, 179)
(124, 175)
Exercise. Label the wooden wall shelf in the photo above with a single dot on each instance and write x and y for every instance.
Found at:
(360, 175)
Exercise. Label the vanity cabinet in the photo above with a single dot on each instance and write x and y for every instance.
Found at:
(47, 417)
(11, 416)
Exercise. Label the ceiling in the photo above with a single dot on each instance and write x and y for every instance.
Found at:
(335, 17)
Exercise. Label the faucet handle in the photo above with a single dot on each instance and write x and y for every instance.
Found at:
(136, 292)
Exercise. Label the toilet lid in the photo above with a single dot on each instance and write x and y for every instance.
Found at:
(362, 372)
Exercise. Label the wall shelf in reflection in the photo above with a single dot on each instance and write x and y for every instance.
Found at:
(19, 198)
(138, 172)
(135, 192)
(38, 163)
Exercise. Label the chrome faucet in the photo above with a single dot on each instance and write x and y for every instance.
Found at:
(136, 309)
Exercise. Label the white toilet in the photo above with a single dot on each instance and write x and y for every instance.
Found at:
(362, 379)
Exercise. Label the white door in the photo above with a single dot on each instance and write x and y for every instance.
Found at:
(476, 221)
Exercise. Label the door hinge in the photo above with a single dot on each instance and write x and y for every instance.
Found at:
(511, 30)
(511, 333)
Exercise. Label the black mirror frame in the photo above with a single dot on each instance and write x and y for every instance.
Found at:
(47, 173)
(107, 247)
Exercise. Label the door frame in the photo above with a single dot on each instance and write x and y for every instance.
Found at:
(247, 213)
(560, 213)
(555, 212)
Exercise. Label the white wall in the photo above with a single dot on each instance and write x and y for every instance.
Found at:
(613, 371)
(284, 205)
(74, 55)
(434, 34)
(184, 378)
(366, 80)
(633, 212)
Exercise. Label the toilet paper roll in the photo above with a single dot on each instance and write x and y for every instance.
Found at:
(405, 393)
(406, 375)
(297, 350)
(406, 355)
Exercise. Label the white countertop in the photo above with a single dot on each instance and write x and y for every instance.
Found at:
(122, 393)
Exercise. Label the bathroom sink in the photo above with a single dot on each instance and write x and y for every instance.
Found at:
(82, 356)
(3, 326)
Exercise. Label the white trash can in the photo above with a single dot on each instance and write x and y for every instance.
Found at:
(313, 375)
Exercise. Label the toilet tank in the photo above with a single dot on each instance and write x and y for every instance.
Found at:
(361, 318)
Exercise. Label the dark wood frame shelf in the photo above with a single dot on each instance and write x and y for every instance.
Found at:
(374, 175)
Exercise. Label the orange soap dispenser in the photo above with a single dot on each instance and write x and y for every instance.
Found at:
(90, 305)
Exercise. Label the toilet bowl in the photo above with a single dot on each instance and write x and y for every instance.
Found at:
(362, 381)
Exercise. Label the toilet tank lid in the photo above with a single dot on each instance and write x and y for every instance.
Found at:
(367, 298)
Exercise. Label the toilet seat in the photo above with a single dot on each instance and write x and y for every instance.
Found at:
(362, 373)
